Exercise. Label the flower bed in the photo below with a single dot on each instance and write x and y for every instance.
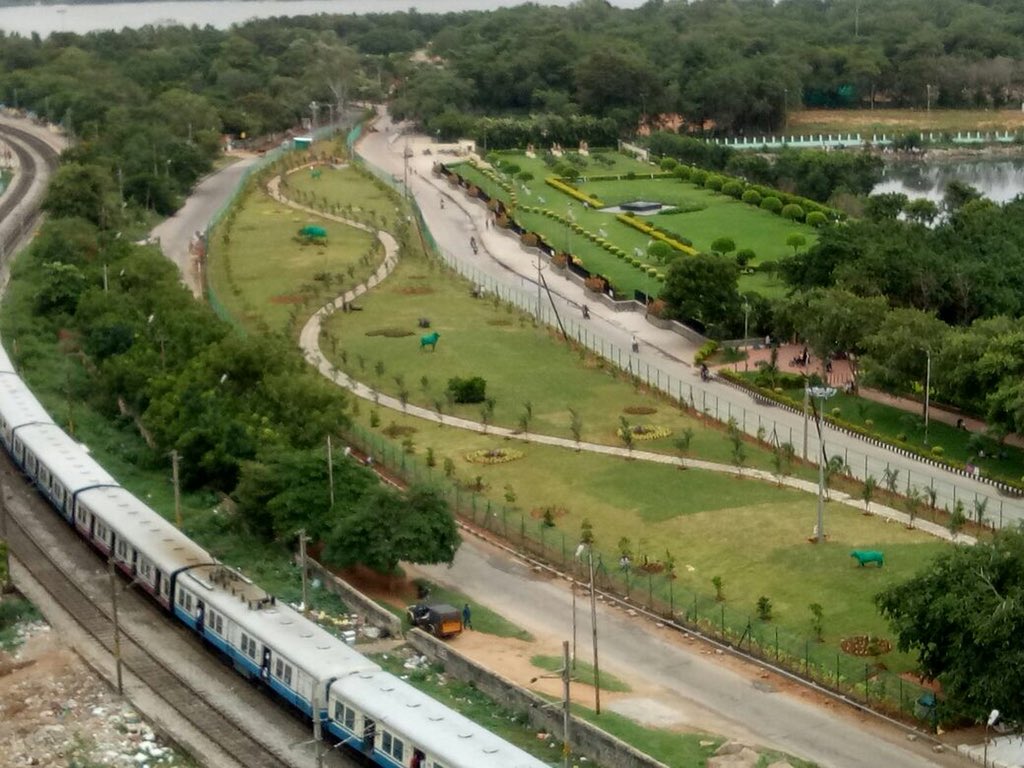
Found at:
(570, 190)
(493, 456)
(647, 431)
(865, 645)
(652, 231)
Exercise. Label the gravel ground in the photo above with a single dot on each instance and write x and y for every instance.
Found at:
(55, 711)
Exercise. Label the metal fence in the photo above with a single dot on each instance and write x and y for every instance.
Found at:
(864, 681)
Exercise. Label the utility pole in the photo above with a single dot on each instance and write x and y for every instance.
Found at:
(593, 625)
(330, 470)
(302, 560)
(8, 585)
(177, 489)
(807, 396)
(927, 390)
(317, 727)
(538, 289)
(574, 621)
(566, 716)
(822, 393)
(117, 624)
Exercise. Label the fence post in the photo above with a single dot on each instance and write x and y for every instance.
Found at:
(867, 696)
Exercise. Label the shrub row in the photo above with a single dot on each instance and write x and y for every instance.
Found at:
(570, 190)
(657, 233)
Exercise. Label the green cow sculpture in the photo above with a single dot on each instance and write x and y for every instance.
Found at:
(865, 556)
(430, 340)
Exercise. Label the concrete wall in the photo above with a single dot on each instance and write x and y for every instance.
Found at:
(357, 602)
(584, 738)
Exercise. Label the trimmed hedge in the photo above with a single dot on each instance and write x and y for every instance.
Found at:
(570, 190)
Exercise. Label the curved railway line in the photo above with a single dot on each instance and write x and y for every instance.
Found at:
(178, 693)
(47, 549)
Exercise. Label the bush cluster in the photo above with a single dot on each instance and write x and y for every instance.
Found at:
(469, 390)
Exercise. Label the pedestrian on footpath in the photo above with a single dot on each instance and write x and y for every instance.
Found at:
(467, 617)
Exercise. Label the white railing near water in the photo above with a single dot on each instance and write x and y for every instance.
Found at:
(844, 140)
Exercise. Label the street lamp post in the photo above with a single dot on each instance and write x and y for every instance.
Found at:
(746, 329)
(568, 234)
(927, 390)
(312, 111)
(822, 394)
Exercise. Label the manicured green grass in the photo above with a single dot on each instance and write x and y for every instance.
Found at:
(581, 673)
(709, 216)
(483, 618)
(265, 277)
(751, 533)
(346, 188)
(503, 346)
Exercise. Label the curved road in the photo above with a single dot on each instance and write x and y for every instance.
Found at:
(663, 357)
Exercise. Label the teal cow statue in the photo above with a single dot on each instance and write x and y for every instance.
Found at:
(865, 556)
(430, 340)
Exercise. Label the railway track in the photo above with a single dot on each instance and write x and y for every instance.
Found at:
(14, 220)
(148, 667)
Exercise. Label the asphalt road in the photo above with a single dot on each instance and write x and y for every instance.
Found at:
(175, 234)
(453, 219)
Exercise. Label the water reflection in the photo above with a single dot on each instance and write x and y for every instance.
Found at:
(998, 180)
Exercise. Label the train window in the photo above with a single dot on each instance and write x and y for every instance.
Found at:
(287, 675)
(164, 587)
(350, 718)
(397, 749)
(279, 669)
(339, 710)
(385, 742)
(44, 476)
(220, 625)
(122, 550)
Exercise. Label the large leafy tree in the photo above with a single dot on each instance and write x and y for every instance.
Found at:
(387, 527)
(897, 352)
(963, 616)
(703, 288)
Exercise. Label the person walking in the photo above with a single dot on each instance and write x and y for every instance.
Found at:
(467, 617)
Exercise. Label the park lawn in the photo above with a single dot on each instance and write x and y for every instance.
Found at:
(346, 187)
(521, 363)
(770, 286)
(722, 216)
(582, 672)
(598, 162)
(263, 275)
(904, 426)
(890, 121)
(751, 533)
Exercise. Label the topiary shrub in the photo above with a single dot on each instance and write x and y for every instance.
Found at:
(525, 176)
(744, 256)
(698, 176)
(751, 197)
(816, 219)
(793, 212)
(714, 183)
(682, 172)
(471, 390)
(668, 163)
(771, 204)
(732, 189)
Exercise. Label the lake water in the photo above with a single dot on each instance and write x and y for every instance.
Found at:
(999, 180)
(221, 14)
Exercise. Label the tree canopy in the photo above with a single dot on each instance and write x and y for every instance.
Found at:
(963, 617)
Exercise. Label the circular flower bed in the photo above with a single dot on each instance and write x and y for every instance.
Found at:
(648, 431)
(865, 645)
(493, 456)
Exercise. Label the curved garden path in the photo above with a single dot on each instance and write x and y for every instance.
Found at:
(309, 342)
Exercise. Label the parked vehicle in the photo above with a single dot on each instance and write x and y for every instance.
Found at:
(438, 619)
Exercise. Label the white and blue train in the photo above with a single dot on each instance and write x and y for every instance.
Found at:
(359, 704)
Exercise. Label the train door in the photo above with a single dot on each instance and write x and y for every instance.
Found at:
(265, 665)
(369, 734)
(200, 616)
